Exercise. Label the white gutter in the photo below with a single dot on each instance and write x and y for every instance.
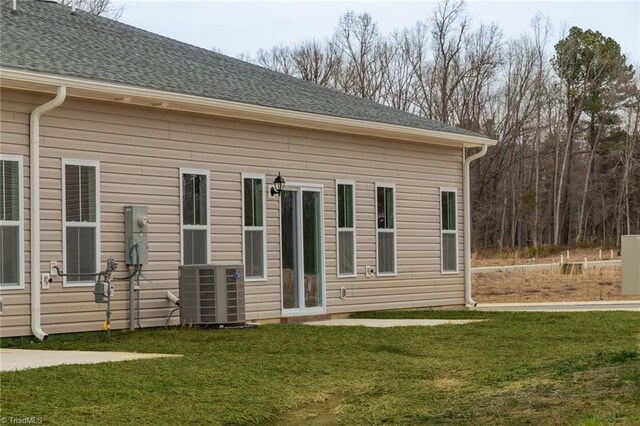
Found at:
(466, 189)
(34, 161)
(135, 95)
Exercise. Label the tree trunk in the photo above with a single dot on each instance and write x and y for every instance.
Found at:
(560, 190)
(503, 223)
(585, 186)
(536, 207)
(573, 114)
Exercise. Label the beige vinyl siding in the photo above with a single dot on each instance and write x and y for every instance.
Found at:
(141, 150)
(14, 136)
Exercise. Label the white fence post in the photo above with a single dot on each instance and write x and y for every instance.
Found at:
(568, 255)
(561, 259)
(600, 254)
(585, 262)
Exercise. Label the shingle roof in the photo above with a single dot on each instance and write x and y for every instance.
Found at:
(47, 37)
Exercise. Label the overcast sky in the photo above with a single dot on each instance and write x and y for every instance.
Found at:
(236, 27)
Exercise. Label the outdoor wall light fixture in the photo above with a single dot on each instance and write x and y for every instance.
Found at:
(278, 185)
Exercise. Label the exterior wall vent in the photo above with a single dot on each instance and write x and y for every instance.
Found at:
(212, 294)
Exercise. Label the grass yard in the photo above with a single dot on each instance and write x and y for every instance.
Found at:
(513, 368)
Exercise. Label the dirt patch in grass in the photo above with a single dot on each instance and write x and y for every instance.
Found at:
(598, 395)
(549, 286)
(448, 384)
(322, 410)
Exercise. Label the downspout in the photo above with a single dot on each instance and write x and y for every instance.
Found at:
(466, 189)
(34, 155)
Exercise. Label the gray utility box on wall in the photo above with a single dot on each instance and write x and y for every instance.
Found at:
(136, 231)
(211, 294)
(631, 264)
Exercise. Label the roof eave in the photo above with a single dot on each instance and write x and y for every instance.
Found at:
(135, 95)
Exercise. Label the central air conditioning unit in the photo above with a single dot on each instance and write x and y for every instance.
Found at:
(212, 294)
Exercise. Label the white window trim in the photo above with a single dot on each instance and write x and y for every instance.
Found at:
(262, 228)
(96, 224)
(318, 187)
(19, 222)
(352, 229)
(206, 227)
(393, 230)
(442, 232)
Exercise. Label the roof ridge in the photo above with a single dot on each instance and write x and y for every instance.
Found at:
(44, 37)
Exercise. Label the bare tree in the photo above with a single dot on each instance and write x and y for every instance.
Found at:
(97, 7)
(568, 131)
(316, 62)
(449, 29)
(358, 40)
(278, 58)
(631, 148)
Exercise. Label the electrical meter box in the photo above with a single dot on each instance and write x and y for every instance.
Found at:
(631, 264)
(136, 242)
(101, 291)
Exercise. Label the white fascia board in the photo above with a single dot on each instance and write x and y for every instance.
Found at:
(116, 92)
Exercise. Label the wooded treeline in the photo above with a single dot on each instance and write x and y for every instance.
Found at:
(566, 169)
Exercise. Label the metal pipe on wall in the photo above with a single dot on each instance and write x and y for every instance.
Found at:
(466, 189)
(132, 323)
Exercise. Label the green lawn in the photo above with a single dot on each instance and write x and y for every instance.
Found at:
(513, 368)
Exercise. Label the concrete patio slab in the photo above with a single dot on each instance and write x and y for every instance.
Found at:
(384, 323)
(20, 359)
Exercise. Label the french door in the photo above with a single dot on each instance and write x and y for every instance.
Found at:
(302, 255)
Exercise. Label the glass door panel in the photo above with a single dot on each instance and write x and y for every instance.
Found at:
(289, 229)
(301, 246)
(312, 248)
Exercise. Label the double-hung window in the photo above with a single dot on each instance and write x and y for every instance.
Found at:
(386, 228)
(448, 231)
(11, 223)
(194, 217)
(346, 223)
(81, 220)
(254, 229)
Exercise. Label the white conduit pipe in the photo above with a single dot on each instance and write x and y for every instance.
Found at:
(466, 189)
(173, 298)
(34, 155)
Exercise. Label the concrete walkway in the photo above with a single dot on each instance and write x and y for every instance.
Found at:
(623, 305)
(20, 359)
(384, 323)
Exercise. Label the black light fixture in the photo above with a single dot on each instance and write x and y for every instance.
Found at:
(278, 185)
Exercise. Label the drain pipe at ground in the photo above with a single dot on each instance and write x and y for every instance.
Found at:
(466, 189)
(34, 161)
(173, 298)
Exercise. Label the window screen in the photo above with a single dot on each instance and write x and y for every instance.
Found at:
(10, 223)
(9, 191)
(80, 221)
(346, 229)
(254, 227)
(449, 231)
(386, 230)
(195, 218)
